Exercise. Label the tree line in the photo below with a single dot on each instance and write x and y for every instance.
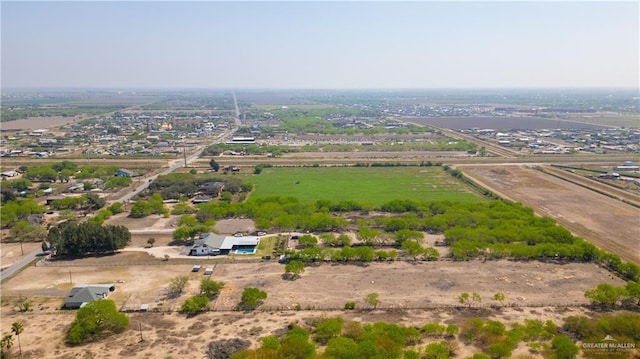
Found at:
(77, 239)
(493, 229)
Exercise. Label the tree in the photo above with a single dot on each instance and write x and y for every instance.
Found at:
(95, 202)
(499, 297)
(210, 288)
(605, 295)
(214, 165)
(327, 329)
(5, 346)
(564, 348)
(151, 241)
(251, 298)
(95, 318)
(413, 248)
(293, 269)
(17, 329)
(296, 345)
(436, 350)
(372, 299)
(633, 292)
(307, 241)
(464, 298)
(195, 304)
(342, 348)
(25, 230)
(176, 285)
(21, 184)
(367, 235)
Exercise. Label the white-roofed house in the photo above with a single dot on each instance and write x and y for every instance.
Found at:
(215, 244)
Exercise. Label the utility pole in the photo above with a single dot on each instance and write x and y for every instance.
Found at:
(140, 326)
(184, 152)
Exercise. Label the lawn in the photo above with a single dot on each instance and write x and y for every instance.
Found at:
(366, 185)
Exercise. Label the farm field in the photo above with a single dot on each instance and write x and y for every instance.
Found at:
(606, 222)
(366, 185)
(505, 123)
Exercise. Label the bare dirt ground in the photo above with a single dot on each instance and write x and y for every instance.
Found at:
(322, 290)
(11, 252)
(608, 223)
(34, 123)
(173, 336)
(411, 293)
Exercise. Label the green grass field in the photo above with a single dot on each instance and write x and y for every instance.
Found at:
(366, 185)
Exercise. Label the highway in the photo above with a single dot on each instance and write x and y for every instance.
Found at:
(24, 261)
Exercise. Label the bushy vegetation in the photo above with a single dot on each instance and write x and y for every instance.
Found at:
(251, 298)
(13, 211)
(495, 229)
(195, 304)
(154, 205)
(490, 338)
(178, 185)
(118, 182)
(95, 319)
(88, 201)
(624, 327)
(608, 296)
(210, 288)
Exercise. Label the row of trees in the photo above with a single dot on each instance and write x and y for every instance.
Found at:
(608, 296)
(494, 229)
(177, 185)
(77, 239)
(344, 254)
(65, 170)
(89, 201)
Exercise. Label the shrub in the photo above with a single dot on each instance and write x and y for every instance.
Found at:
(195, 304)
(96, 318)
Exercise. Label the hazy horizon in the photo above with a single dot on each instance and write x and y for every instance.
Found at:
(320, 45)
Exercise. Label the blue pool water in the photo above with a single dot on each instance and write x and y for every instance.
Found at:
(245, 251)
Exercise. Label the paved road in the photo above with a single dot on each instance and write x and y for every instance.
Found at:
(17, 266)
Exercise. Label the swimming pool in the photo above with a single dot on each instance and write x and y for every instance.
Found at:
(245, 251)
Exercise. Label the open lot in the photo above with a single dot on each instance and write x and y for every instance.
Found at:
(172, 336)
(606, 222)
(433, 285)
(504, 123)
(34, 123)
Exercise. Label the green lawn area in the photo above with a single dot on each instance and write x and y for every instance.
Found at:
(265, 247)
(366, 185)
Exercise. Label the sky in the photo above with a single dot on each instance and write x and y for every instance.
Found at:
(341, 45)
